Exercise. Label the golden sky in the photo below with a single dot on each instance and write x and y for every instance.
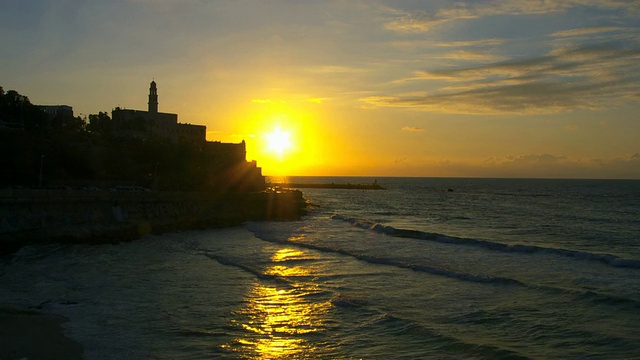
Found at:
(512, 88)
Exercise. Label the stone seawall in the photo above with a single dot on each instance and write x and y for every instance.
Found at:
(33, 215)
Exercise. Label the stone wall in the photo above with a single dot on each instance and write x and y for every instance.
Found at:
(32, 215)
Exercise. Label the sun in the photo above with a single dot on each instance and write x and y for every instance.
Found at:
(278, 141)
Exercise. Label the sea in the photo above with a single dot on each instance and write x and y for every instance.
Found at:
(429, 268)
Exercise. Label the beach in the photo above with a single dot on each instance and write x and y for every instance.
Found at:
(495, 269)
(30, 334)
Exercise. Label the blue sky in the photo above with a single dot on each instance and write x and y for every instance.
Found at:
(512, 88)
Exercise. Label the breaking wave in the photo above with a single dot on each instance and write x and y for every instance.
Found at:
(607, 259)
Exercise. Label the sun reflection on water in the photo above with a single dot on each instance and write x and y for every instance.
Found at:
(280, 319)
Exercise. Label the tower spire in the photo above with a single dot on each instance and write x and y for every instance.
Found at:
(153, 98)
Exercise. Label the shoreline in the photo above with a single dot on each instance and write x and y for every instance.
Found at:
(36, 217)
(31, 334)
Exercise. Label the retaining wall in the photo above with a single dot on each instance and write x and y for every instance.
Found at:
(34, 215)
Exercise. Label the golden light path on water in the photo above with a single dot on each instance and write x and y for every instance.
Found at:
(280, 318)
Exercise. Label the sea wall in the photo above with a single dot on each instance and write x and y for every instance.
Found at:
(34, 215)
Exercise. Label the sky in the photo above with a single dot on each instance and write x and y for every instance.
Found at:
(513, 88)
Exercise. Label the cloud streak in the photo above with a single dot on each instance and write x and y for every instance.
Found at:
(424, 21)
(531, 166)
(585, 77)
(412, 129)
(586, 31)
(546, 164)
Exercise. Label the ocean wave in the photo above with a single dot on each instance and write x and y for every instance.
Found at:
(390, 325)
(610, 300)
(257, 273)
(267, 234)
(378, 322)
(348, 302)
(607, 259)
(394, 262)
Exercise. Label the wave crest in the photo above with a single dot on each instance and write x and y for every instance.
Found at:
(607, 259)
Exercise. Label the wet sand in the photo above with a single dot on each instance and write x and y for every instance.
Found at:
(26, 334)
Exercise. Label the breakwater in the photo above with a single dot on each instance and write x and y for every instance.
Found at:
(373, 186)
(38, 215)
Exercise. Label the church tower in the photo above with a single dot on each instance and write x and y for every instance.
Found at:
(153, 98)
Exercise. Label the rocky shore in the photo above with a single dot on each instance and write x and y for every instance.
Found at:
(30, 216)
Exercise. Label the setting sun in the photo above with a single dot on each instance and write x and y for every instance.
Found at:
(284, 137)
(278, 141)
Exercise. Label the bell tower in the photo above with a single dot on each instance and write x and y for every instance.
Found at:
(153, 98)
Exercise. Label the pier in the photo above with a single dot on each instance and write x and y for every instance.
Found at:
(373, 186)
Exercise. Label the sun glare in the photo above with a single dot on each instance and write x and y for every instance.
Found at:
(278, 141)
(283, 141)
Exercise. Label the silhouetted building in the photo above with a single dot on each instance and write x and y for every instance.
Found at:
(228, 169)
(152, 124)
(54, 111)
(153, 98)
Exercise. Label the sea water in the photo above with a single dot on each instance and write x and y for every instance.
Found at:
(426, 269)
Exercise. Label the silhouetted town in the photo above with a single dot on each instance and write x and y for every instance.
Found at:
(46, 146)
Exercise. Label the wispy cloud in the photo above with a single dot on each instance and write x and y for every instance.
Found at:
(558, 165)
(423, 21)
(466, 55)
(412, 128)
(589, 77)
(471, 43)
(585, 31)
(535, 159)
(457, 44)
(536, 166)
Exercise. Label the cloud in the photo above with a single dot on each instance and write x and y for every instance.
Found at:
(545, 165)
(466, 55)
(415, 22)
(316, 100)
(471, 43)
(535, 159)
(412, 128)
(424, 21)
(548, 165)
(413, 44)
(552, 166)
(585, 31)
(588, 77)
